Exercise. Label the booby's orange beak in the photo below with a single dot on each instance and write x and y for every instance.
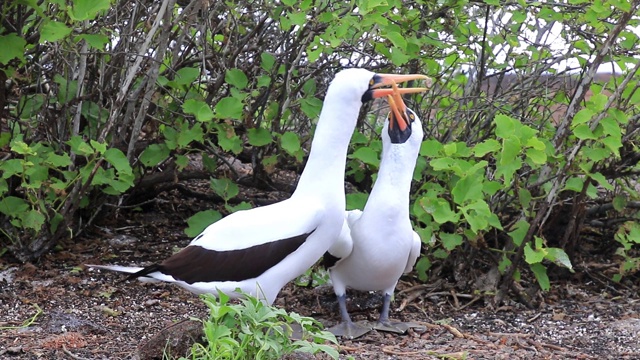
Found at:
(399, 115)
(379, 80)
(400, 118)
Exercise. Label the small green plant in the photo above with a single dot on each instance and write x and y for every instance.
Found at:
(315, 276)
(628, 235)
(252, 330)
(28, 322)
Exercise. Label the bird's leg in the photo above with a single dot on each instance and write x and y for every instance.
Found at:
(384, 324)
(347, 328)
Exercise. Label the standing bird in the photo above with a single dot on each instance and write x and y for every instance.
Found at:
(259, 250)
(377, 245)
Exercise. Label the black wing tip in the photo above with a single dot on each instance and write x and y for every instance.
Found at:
(144, 272)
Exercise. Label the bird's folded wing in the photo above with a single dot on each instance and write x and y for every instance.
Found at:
(244, 229)
(243, 245)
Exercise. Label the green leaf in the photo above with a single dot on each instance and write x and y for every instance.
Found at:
(187, 76)
(450, 241)
(397, 39)
(87, 9)
(601, 180)
(399, 56)
(198, 222)
(537, 156)
(96, 41)
(208, 162)
(356, 200)
(290, 142)
(559, 257)
(22, 148)
(536, 143)
(311, 106)
(187, 135)
(12, 47)
(613, 143)
(485, 147)
(267, 61)
(236, 78)
(56, 160)
(154, 154)
(598, 101)
(225, 188)
(491, 187)
(241, 206)
(259, 137)
(263, 81)
(524, 196)
(182, 161)
(532, 256)
(422, 266)
(504, 263)
(540, 273)
(13, 206)
(67, 90)
(583, 132)
(30, 105)
(119, 160)
(624, 5)
(5, 138)
(510, 149)
(199, 109)
(227, 139)
(505, 126)
(619, 203)
(438, 208)
(520, 231)
(477, 215)
(298, 18)
(32, 219)
(36, 175)
(367, 155)
(430, 148)
(98, 146)
(12, 167)
(467, 188)
(79, 146)
(53, 31)
(229, 108)
(581, 117)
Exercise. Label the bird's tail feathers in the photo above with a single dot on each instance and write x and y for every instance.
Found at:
(134, 271)
(118, 268)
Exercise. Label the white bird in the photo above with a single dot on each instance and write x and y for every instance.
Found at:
(377, 245)
(259, 250)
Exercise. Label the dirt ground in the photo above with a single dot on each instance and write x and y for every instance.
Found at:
(58, 309)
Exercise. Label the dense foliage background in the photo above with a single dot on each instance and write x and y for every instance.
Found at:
(529, 167)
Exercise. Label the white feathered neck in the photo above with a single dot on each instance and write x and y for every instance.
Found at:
(324, 172)
(390, 193)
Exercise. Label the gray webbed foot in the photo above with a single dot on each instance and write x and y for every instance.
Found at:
(397, 326)
(350, 330)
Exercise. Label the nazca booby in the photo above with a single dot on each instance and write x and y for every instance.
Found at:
(259, 250)
(377, 245)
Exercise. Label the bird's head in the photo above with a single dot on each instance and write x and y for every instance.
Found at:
(369, 85)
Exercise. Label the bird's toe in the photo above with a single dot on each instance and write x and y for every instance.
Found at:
(397, 326)
(350, 330)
